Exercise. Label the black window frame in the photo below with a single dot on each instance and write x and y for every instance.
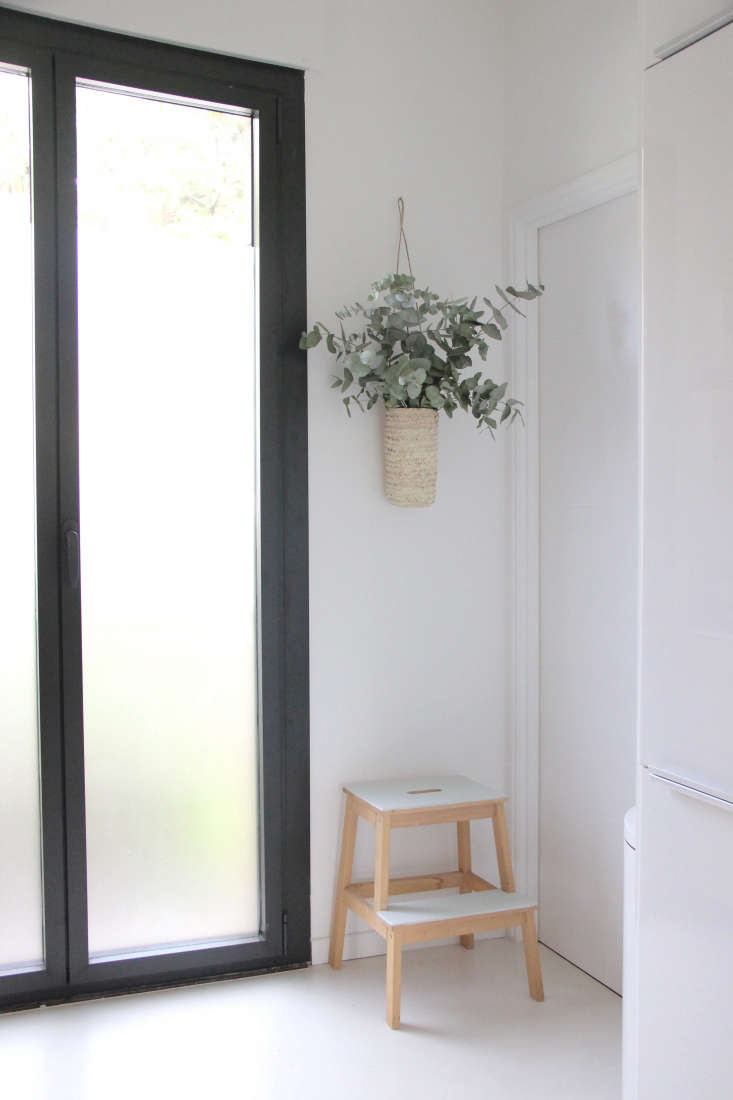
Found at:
(57, 53)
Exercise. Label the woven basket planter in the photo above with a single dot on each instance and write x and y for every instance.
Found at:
(410, 457)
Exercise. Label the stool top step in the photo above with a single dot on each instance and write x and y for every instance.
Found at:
(421, 792)
(425, 908)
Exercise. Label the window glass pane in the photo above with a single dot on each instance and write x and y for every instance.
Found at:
(168, 521)
(21, 920)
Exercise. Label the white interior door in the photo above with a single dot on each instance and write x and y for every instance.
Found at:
(588, 409)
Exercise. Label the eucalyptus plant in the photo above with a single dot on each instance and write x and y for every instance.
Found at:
(413, 349)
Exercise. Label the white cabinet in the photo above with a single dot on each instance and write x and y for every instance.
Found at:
(687, 609)
(685, 921)
(671, 24)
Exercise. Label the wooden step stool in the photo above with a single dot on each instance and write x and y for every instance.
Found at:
(479, 906)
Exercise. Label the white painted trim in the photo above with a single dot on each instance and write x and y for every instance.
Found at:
(621, 177)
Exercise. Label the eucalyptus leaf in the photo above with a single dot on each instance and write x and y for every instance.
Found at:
(309, 339)
(496, 315)
(419, 363)
(416, 342)
(528, 295)
(508, 301)
(435, 397)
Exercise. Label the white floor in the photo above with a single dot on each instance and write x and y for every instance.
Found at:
(469, 1029)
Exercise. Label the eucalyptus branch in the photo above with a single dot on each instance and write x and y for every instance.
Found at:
(413, 348)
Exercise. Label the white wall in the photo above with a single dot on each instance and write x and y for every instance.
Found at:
(407, 607)
(573, 90)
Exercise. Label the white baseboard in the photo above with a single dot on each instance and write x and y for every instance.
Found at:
(363, 945)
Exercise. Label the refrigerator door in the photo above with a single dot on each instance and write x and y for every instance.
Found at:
(687, 608)
(685, 942)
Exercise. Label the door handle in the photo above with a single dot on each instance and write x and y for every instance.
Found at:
(72, 556)
(700, 30)
(722, 802)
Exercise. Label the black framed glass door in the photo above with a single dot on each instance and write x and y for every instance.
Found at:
(169, 641)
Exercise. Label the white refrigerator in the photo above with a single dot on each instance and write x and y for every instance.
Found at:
(685, 979)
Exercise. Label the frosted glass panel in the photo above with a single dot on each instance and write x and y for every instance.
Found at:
(168, 521)
(21, 919)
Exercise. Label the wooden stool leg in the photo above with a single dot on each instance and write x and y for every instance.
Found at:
(346, 863)
(532, 956)
(464, 864)
(394, 978)
(381, 864)
(503, 855)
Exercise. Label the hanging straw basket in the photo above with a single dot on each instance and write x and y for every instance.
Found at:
(410, 457)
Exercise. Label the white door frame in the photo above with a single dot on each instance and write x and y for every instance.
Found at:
(619, 178)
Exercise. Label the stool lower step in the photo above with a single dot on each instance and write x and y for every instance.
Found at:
(426, 908)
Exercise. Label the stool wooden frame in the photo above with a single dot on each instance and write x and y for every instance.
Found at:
(370, 900)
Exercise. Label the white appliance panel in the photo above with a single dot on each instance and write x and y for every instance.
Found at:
(685, 922)
(687, 625)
